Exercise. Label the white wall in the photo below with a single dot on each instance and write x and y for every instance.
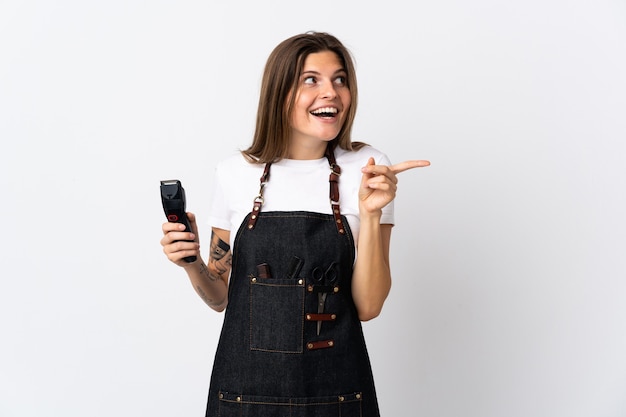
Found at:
(509, 294)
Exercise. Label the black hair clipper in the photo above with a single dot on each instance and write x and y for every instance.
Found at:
(173, 199)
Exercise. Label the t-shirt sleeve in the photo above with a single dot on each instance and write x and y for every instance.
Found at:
(219, 213)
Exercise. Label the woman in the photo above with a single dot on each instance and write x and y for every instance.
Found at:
(295, 207)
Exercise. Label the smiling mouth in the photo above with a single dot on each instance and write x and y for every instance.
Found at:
(326, 112)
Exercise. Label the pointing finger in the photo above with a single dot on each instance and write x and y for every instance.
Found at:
(406, 165)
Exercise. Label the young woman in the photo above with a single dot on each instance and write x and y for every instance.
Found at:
(301, 225)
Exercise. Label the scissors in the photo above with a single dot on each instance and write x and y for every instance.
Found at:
(327, 282)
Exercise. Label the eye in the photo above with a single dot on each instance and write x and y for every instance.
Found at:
(309, 80)
(341, 80)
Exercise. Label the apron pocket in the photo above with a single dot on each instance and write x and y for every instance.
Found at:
(276, 315)
(241, 405)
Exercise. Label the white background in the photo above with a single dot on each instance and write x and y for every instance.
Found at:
(509, 264)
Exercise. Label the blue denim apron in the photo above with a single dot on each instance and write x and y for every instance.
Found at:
(270, 359)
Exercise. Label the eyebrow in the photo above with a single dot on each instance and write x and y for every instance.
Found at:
(339, 71)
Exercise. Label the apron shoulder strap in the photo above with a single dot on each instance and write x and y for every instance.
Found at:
(258, 200)
(335, 172)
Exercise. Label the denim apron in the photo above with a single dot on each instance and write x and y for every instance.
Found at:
(280, 353)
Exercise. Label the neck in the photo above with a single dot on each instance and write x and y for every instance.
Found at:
(307, 152)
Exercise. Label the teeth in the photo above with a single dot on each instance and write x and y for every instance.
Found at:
(325, 110)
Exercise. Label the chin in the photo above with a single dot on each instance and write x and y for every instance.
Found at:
(329, 136)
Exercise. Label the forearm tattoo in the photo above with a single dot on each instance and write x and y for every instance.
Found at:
(205, 272)
(211, 277)
(202, 294)
(220, 262)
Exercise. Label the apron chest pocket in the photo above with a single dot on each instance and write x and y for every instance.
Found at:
(276, 315)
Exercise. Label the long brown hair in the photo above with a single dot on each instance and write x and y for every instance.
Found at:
(280, 78)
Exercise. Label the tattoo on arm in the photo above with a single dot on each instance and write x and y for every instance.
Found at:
(219, 248)
(220, 262)
(205, 271)
(220, 256)
(203, 295)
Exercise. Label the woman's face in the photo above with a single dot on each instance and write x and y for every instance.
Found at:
(322, 103)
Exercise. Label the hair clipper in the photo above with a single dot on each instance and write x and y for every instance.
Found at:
(173, 199)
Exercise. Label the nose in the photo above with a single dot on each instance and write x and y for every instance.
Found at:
(328, 91)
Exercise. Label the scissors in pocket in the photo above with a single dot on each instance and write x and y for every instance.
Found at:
(326, 280)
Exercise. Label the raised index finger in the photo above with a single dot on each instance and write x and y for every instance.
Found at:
(403, 166)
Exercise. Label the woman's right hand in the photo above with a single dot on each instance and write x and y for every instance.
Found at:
(178, 243)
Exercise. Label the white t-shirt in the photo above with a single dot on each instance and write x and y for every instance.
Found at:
(294, 185)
